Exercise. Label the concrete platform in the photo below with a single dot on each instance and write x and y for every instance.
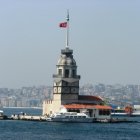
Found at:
(28, 117)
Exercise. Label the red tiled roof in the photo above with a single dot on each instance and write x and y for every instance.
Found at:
(89, 97)
(86, 106)
(103, 107)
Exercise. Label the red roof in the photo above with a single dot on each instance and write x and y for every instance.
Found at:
(103, 107)
(86, 106)
(90, 97)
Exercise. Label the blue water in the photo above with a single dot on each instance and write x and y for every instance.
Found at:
(29, 130)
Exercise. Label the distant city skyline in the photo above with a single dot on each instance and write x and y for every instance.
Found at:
(104, 36)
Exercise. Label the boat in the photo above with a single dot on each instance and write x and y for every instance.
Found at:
(70, 117)
(136, 111)
(119, 112)
(135, 114)
(128, 111)
(2, 116)
(65, 116)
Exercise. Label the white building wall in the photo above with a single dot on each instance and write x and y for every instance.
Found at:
(50, 107)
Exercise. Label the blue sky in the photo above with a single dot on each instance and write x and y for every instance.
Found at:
(104, 35)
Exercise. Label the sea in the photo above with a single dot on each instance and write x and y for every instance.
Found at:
(32, 130)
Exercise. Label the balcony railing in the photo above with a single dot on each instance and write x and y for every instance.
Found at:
(60, 76)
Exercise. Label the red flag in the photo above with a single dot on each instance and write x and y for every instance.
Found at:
(63, 25)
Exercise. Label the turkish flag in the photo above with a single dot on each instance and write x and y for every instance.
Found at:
(63, 25)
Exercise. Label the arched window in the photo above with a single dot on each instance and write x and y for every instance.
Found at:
(73, 73)
(66, 73)
(59, 71)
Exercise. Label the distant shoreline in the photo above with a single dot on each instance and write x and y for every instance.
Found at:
(25, 107)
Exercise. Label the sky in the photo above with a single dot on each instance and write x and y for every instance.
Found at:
(104, 35)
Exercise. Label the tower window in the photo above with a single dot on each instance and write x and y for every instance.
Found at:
(59, 71)
(73, 73)
(66, 73)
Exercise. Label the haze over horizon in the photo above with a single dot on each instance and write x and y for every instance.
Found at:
(104, 36)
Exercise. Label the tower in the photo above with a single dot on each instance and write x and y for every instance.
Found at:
(66, 81)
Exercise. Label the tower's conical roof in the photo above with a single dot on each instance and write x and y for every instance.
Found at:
(66, 57)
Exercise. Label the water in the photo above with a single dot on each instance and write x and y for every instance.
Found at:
(28, 130)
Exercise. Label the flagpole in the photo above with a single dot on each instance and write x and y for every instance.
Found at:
(67, 32)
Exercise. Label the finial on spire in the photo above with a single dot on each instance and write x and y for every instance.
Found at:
(67, 15)
(67, 34)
